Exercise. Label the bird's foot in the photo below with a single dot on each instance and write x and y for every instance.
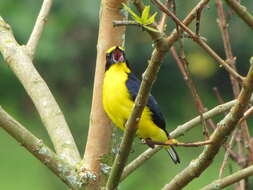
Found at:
(149, 142)
(171, 142)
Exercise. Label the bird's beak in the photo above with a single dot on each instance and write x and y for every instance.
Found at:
(118, 55)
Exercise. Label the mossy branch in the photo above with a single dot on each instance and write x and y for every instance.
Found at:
(20, 63)
(241, 11)
(59, 166)
(229, 180)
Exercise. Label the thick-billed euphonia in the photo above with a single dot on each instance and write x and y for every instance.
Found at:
(120, 88)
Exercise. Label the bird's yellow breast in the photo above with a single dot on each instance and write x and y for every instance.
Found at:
(118, 104)
(116, 99)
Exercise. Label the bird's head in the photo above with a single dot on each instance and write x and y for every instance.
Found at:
(115, 55)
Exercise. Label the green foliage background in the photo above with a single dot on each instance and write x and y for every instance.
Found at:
(66, 60)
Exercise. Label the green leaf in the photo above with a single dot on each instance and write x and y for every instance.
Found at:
(145, 14)
(132, 13)
(144, 20)
(151, 19)
(150, 28)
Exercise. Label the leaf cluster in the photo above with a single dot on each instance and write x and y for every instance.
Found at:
(145, 19)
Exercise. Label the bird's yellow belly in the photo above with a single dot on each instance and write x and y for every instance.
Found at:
(118, 105)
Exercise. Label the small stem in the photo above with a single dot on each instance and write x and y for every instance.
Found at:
(125, 23)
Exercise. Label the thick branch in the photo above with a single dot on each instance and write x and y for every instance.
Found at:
(66, 172)
(100, 132)
(51, 115)
(224, 129)
(241, 11)
(39, 26)
(229, 180)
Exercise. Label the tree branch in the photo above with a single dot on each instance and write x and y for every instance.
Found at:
(65, 171)
(224, 129)
(38, 28)
(199, 41)
(229, 180)
(100, 132)
(241, 11)
(51, 115)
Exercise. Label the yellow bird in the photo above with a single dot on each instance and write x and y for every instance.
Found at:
(120, 89)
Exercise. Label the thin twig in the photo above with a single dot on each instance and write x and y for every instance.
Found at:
(223, 25)
(226, 156)
(246, 114)
(125, 23)
(189, 82)
(218, 95)
(59, 166)
(198, 17)
(199, 41)
(224, 129)
(51, 115)
(162, 23)
(187, 20)
(38, 27)
(241, 11)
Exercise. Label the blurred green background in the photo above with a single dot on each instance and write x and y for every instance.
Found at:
(66, 60)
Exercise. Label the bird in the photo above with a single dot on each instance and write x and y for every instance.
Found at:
(120, 89)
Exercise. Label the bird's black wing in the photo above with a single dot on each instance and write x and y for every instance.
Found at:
(133, 85)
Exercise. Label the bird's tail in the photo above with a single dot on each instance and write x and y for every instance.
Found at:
(173, 154)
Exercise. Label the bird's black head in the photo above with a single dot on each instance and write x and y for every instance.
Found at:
(114, 55)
